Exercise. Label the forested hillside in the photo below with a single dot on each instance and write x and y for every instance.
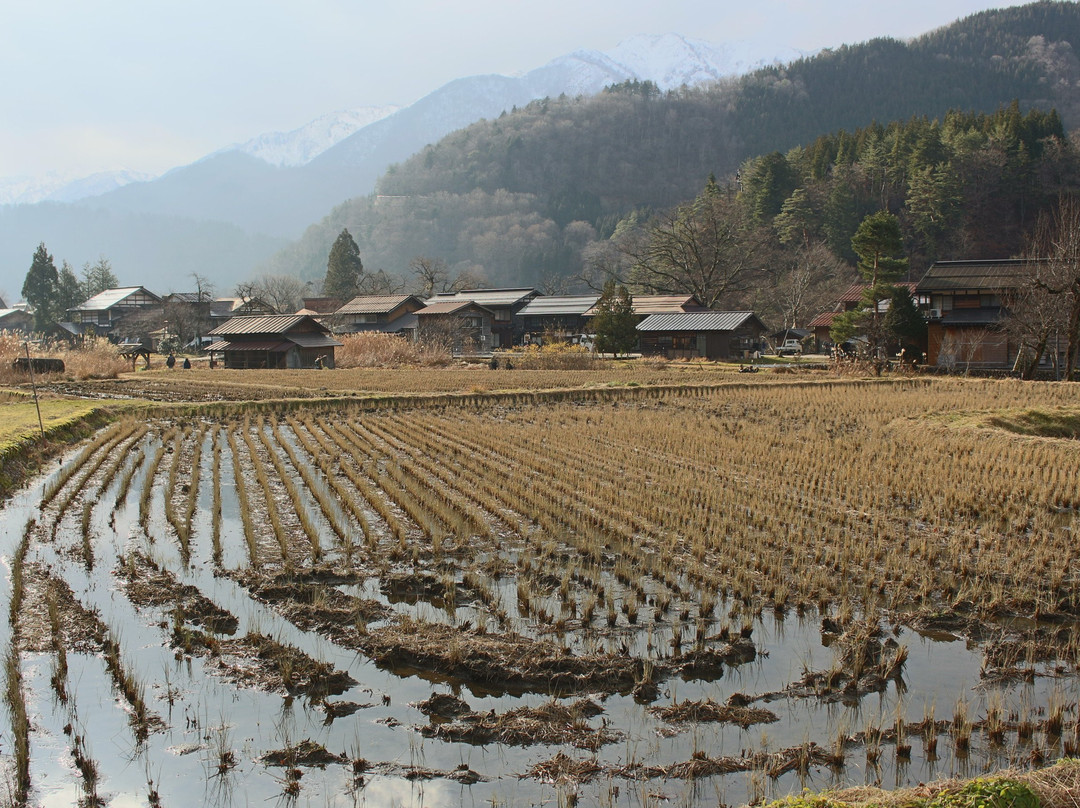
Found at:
(526, 198)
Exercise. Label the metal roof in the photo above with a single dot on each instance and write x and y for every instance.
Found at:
(402, 323)
(854, 293)
(698, 321)
(488, 297)
(189, 297)
(375, 304)
(660, 304)
(265, 324)
(111, 297)
(986, 276)
(449, 307)
(313, 340)
(824, 320)
(267, 345)
(558, 304)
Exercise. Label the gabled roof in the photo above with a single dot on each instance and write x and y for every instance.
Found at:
(824, 320)
(188, 297)
(265, 324)
(225, 306)
(17, 313)
(403, 323)
(660, 304)
(450, 307)
(854, 293)
(323, 305)
(700, 321)
(112, 297)
(558, 304)
(489, 297)
(986, 276)
(376, 304)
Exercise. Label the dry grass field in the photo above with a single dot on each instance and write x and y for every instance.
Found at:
(598, 553)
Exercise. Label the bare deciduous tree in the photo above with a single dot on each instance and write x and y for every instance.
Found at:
(705, 248)
(1055, 284)
(282, 292)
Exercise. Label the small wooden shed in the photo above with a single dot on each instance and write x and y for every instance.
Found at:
(701, 334)
(274, 341)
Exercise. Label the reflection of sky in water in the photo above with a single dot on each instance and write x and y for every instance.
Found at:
(208, 714)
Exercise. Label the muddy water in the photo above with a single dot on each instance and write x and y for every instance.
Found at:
(211, 733)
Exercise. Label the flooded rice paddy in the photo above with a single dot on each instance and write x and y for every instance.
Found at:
(420, 609)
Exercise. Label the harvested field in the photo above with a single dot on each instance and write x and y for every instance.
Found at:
(753, 586)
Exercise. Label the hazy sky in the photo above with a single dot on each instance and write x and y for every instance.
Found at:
(152, 84)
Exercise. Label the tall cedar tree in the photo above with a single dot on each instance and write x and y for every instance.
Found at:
(69, 292)
(343, 269)
(615, 322)
(40, 288)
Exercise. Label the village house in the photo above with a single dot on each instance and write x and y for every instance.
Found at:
(701, 335)
(560, 317)
(16, 319)
(647, 305)
(967, 311)
(104, 313)
(850, 300)
(223, 309)
(504, 306)
(387, 314)
(461, 326)
(274, 341)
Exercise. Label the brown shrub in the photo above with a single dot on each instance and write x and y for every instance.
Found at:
(376, 350)
(94, 359)
(556, 356)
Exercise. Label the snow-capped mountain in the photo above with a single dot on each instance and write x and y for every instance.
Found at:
(272, 187)
(302, 145)
(668, 60)
(57, 187)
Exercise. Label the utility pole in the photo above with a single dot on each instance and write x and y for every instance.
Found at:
(33, 384)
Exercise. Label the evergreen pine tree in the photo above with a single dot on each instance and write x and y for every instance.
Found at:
(615, 323)
(69, 292)
(98, 277)
(40, 288)
(343, 269)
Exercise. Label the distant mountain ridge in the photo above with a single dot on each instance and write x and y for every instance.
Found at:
(668, 60)
(519, 198)
(272, 187)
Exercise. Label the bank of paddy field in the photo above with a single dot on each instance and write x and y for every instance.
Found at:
(716, 592)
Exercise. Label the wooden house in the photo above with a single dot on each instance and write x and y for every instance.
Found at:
(16, 320)
(557, 316)
(968, 307)
(850, 300)
(223, 309)
(461, 326)
(701, 334)
(647, 305)
(274, 341)
(104, 313)
(504, 305)
(388, 314)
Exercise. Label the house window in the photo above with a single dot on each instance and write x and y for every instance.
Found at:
(103, 318)
(473, 322)
(502, 316)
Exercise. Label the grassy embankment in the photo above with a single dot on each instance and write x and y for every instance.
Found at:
(1056, 786)
(64, 421)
